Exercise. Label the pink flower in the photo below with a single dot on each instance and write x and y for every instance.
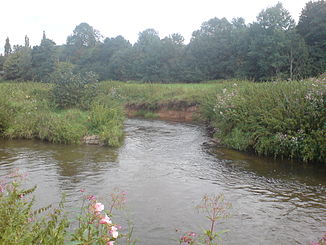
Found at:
(314, 243)
(114, 232)
(91, 197)
(110, 243)
(98, 207)
(105, 220)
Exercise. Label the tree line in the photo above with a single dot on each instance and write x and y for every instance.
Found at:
(272, 47)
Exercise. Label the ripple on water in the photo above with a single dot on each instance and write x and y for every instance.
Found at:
(165, 171)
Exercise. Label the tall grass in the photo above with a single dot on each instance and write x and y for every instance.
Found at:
(280, 119)
(154, 94)
(27, 112)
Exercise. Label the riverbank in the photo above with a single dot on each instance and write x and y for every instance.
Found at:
(28, 112)
(276, 119)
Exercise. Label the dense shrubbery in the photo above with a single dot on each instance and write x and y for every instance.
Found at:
(72, 89)
(280, 119)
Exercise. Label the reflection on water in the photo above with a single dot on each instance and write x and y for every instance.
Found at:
(165, 170)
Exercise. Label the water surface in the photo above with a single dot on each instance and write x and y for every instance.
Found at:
(165, 169)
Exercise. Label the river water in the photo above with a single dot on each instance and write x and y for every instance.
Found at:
(165, 169)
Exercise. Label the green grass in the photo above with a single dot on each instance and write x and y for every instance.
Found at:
(153, 94)
(27, 112)
(283, 119)
(278, 119)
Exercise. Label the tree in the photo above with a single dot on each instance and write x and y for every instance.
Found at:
(27, 42)
(211, 49)
(270, 45)
(2, 61)
(17, 65)
(43, 59)
(312, 27)
(122, 65)
(97, 59)
(148, 56)
(84, 38)
(7, 47)
(84, 35)
(173, 57)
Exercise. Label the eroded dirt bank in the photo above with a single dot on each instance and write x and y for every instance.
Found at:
(182, 111)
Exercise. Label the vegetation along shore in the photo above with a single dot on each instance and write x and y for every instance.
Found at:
(260, 99)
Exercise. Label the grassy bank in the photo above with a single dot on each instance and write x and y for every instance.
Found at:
(153, 96)
(279, 119)
(27, 112)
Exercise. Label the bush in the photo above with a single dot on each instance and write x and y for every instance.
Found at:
(284, 119)
(72, 90)
(20, 224)
(106, 120)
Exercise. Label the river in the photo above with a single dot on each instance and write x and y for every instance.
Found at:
(165, 169)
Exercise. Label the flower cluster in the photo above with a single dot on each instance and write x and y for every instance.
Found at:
(188, 238)
(224, 101)
(97, 211)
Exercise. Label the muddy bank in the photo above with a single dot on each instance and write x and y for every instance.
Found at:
(182, 111)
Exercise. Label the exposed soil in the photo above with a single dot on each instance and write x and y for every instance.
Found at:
(182, 111)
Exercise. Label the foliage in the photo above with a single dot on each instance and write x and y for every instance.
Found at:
(20, 224)
(84, 35)
(70, 89)
(215, 208)
(8, 49)
(26, 112)
(271, 48)
(43, 60)
(312, 28)
(106, 120)
(17, 65)
(284, 119)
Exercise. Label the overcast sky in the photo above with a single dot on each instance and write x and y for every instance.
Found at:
(122, 17)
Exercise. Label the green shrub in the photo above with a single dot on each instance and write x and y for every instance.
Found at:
(66, 127)
(106, 120)
(283, 119)
(72, 90)
(20, 224)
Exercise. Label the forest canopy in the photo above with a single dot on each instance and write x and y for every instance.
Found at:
(273, 47)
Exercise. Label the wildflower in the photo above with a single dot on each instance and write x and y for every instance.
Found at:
(186, 239)
(114, 232)
(110, 243)
(314, 243)
(98, 207)
(105, 220)
(90, 197)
